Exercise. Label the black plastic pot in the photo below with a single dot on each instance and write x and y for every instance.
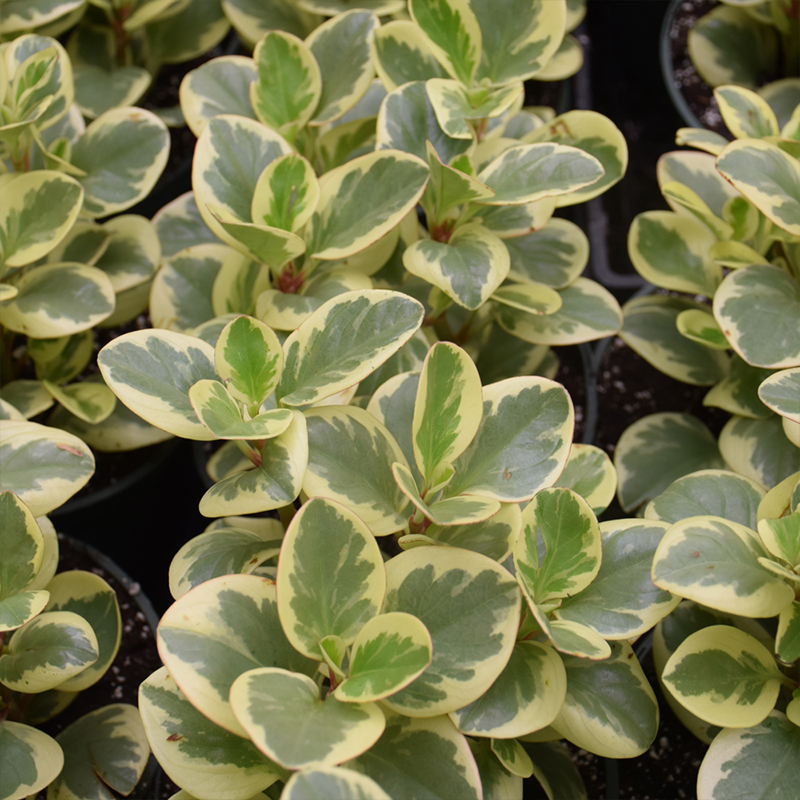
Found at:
(142, 520)
(665, 54)
(143, 613)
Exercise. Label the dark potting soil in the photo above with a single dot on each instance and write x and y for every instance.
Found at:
(697, 93)
(571, 376)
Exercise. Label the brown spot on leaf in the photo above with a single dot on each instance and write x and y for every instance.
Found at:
(174, 737)
(69, 448)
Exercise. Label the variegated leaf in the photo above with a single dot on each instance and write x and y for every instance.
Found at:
(709, 492)
(448, 410)
(768, 177)
(759, 449)
(469, 267)
(230, 156)
(494, 537)
(600, 715)
(33, 760)
(700, 326)
(39, 209)
(781, 393)
(716, 43)
(522, 444)
(671, 251)
(787, 639)
(89, 596)
(758, 761)
(123, 153)
(43, 466)
(460, 597)
(517, 54)
(555, 770)
(151, 372)
(758, 308)
(558, 553)
(50, 649)
(179, 225)
(745, 113)
(528, 172)
(286, 194)
(354, 211)
(389, 652)
(588, 312)
(220, 86)
(590, 473)
(453, 33)
(406, 121)
(284, 716)
(716, 562)
(58, 300)
(275, 482)
(98, 90)
(249, 358)
(229, 550)
(597, 136)
(724, 676)
(657, 450)
(203, 758)
(650, 329)
(415, 755)
(330, 586)
(696, 171)
(22, 544)
(701, 139)
(455, 107)
(782, 537)
(323, 783)
(622, 602)
(90, 401)
(106, 748)
(350, 458)
(288, 85)
(554, 255)
(218, 631)
(526, 696)
(401, 54)
(343, 341)
(344, 79)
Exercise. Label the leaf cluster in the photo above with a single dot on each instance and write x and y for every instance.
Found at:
(59, 634)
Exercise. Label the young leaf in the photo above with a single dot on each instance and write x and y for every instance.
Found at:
(348, 582)
(249, 358)
(284, 716)
(289, 84)
(286, 194)
(389, 652)
(558, 553)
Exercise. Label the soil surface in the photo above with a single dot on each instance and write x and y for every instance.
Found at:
(697, 93)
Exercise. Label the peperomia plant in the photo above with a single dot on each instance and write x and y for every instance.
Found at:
(59, 634)
(117, 46)
(488, 175)
(61, 273)
(747, 42)
(729, 654)
(380, 648)
(731, 242)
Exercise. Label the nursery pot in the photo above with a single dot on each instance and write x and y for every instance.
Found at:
(667, 69)
(137, 657)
